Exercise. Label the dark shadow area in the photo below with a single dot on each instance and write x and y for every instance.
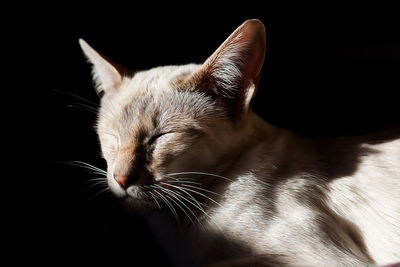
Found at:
(331, 69)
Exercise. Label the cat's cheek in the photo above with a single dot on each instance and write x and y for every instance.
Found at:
(199, 157)
(109, 146)
(183, 161)
(163, 156)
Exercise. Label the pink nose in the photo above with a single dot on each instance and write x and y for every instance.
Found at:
(121, 180)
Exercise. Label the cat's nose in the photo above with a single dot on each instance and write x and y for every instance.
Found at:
(122, 180)
(126, 178)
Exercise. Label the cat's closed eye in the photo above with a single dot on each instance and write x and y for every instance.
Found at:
(152, 140)
(111, 143)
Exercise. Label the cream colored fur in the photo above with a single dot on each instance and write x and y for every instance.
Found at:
(260, 195)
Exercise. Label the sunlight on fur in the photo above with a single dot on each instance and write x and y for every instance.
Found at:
(184, 148)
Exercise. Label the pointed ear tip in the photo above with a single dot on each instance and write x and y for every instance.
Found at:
(83, 43)
(256, 28)
(256, 23)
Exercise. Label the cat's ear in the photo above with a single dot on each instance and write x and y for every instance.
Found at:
(233, 71)
(106, 76)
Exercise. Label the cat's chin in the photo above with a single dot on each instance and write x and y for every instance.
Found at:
(138, 206)
(137, 201)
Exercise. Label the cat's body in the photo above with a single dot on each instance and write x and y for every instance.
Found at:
(289, 195)
(184, 139)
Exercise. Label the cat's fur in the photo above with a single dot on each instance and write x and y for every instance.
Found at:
(260, 195)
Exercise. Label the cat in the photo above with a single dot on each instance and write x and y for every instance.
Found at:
(184, 148)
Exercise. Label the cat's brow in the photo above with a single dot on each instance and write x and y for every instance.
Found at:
(155, 118)
(140, 135)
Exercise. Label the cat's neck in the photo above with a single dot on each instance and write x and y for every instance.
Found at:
(261, 137)
(260, 130)
(265, 147)
(251, 136)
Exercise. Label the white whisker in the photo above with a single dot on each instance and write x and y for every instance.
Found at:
(194, 192)
(172, 195)
(83, 106)
(168, 204)
(154, 197)
(199, 188)
(199, 208)
(101, 192)
(98, 183)
(78, 97)
(97, 179)
(183, 197)
(87, 166)
(199, 173)
(183, 182)
(189, 195)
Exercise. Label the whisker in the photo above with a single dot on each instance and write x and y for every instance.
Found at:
(199, 173)
(103, 191)
(173, 196)
(97, 179)
(98, 183)
(154, 197)
(168, 204)
(87, 166)
(199, 188)
(179, 196)
(76, 96)
(194, 203)
(190, 196)
(202, 210)
(198, 205)
(184, 181)
(194, 192)
(83, 106)
(261, 181)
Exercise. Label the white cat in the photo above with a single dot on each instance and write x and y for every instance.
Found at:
(183, 142)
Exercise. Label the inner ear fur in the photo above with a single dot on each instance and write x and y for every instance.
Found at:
(232, 72)
(107, 74)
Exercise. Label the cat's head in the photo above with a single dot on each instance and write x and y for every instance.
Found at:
(166, 124)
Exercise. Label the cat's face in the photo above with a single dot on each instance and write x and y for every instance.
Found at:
(153, 128)
(170, 123)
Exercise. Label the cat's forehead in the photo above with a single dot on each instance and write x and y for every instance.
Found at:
(159, 79)
(154, 91)
(163, 112)
(150, 101)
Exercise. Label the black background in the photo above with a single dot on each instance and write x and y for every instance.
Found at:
(331, 69)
